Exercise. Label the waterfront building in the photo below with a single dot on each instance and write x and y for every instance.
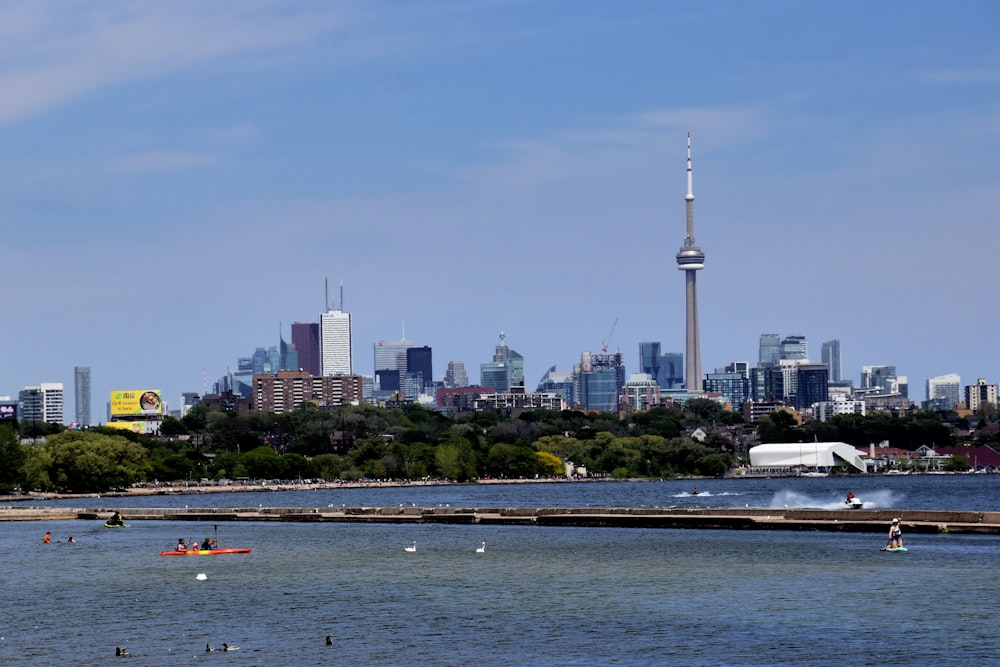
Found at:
(305, 338)
(335, 343)
(690, 260)
(944, 391)
(830, 355)
(81, 394)
(979, 393)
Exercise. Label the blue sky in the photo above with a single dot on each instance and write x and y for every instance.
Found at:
(178, 179)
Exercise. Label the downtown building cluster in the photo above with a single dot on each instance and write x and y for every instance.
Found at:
(316, 367)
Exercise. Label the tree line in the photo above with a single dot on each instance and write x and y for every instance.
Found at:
(411, 443)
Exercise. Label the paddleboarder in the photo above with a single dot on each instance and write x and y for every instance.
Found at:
(895, 535)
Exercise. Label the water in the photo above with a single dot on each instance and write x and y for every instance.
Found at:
(538, 596)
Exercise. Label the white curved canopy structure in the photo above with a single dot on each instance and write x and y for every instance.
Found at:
(813, 455)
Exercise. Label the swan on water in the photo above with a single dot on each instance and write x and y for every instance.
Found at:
(481, 549)
(413, 547)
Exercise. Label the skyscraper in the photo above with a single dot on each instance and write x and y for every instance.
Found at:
(667, 369)
(419, 364)
(795, 348)
(305, 338)
(769, 350)
(691, 259)
(335, 343)
(944, 391)
(81, 392)
(456, 376)
(831, 357)
(505, 371)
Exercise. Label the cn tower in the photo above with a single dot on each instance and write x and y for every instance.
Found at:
(690, 259)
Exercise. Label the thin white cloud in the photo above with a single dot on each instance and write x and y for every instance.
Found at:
(163, 160)
(962, 75)
(54, 54)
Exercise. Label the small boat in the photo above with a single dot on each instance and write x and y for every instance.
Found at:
(694, 491)
(854, 503)
(204, 552)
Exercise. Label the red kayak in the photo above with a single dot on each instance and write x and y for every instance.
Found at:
(205, 552)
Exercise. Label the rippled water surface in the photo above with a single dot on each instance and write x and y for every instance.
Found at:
(538, 596)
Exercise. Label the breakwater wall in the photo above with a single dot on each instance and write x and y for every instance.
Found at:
(915, 521)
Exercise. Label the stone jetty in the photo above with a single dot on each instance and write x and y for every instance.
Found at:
(846, 520)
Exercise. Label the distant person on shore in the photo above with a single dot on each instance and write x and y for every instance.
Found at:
(895, 535)
(47, 538)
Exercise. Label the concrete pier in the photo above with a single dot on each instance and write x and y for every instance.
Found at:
(865, 521)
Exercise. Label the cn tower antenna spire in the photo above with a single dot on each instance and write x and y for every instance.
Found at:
(690, 260)
(690, 194)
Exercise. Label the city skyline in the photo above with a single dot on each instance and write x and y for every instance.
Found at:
(179, 178)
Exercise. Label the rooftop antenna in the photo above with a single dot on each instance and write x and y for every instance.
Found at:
(326, 294)
(342, 296)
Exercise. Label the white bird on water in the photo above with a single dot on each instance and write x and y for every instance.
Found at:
(413, 547)
(481, 549)
(201, 576)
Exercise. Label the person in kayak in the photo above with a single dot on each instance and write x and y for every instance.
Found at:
(895, 535)
(182, 545)
(208, 544)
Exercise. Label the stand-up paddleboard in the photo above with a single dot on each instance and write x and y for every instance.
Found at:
(894, 549)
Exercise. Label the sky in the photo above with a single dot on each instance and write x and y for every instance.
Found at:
(179, 180)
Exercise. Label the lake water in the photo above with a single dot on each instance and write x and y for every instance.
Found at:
(537, 596)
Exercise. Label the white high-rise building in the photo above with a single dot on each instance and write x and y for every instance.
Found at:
(43, 402)
(979, 393)
(946, 388)
(335, 343)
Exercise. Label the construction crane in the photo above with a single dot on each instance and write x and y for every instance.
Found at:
(607, 339)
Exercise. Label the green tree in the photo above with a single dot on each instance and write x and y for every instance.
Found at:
(12, 460)
(90, 462)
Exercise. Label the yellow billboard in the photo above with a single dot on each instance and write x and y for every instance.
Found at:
(135, 427)
(138, 402)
